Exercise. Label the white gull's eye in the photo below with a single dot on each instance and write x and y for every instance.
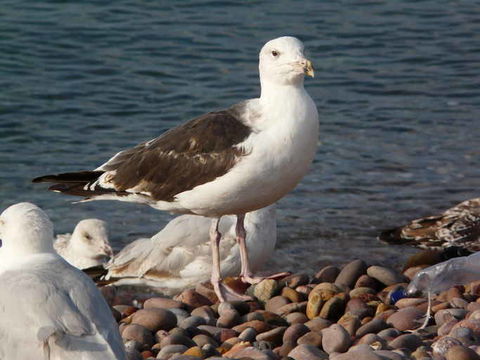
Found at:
(275, 53)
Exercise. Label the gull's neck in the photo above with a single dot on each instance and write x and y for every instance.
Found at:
(272, 92)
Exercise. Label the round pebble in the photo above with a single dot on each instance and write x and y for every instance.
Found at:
(335, 339)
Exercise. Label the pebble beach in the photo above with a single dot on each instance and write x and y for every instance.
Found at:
(339, 313)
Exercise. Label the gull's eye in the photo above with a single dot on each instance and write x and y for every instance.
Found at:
(275, 53)
(88, 237)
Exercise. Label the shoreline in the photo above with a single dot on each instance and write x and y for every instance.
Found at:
(338, 313)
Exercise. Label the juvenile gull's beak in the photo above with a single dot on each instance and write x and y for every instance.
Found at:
(308, 69)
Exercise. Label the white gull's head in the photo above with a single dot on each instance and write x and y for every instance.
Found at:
(283, 62)
(90, 237)
(25, 229)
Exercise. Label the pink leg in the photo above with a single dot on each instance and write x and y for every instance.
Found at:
(246, 274)
(224, 293)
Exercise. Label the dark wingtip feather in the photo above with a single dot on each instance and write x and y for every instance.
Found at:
(73, 177)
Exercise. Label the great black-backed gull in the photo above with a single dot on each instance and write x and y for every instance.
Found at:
(87, 246)
(226, 162)
(458, 226)
(179, 256)
(48, 308)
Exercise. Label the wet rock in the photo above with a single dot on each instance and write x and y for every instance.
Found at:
(441, 346)
(350, 322)
(406, 302)
(385, 275)
(466, 336)
(275, 303)
(259, 326)
(177, 339)
(293, 307)
(292, 295)
(359, 308)
(192, 321)
(447, 327)
(350, 273)
(458, 303)
(202, 339)
(327, 274)
(273, 336)
(180, 314)
(206, 313)
(193, 298)
(249, 352)
(162, 303)
(361, 292)
(168, 350)
(443, 316)
(332, 309)
(194, 351)
(311, 338)
(318, 324)
(408, 341)
(296, 318)
(389, 334)
(154, 319)
(294, 332)
(206, 289)
(225, 334)
(461, 353)
(373, 326)
(473, 325)
(248, 334)
(265, 290)
(389, 355)
(374, 341)
(307, 352)
(408, 318)
(359, 352)
(314, 304)
(368, 282)
(335, 339)
(138, 333)
(228, 320)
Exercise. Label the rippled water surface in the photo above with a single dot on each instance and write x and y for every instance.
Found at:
(397, 90)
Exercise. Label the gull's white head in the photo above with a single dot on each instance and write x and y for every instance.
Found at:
(90, 238)
(283, 62)
(25, 229)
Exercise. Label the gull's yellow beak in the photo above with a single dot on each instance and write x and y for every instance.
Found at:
(308, 69)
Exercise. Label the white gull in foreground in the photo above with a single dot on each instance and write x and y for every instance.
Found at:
(226, 162)
(87, 246)
(48, 308)
(179, 256)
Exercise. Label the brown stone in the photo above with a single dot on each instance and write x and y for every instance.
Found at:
(259, 326)
(193, 298)
(163, 303)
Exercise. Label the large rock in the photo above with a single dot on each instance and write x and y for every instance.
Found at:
(155, 319)
(307, 352)
(350, 273)
(335, 339)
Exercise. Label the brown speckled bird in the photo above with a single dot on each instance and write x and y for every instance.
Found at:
(458, 226)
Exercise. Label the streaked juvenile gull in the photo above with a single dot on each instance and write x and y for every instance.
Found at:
(227, 162)
(48, 308)
(179, 256)
(458, 226)
(87, 246)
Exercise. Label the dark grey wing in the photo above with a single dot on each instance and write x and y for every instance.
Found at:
(180, 159)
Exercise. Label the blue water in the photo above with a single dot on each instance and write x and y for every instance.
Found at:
(397, 89)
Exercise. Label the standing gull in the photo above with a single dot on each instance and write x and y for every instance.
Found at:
(179, 256)
(226, 162)
(88, 245)
(48, 308)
